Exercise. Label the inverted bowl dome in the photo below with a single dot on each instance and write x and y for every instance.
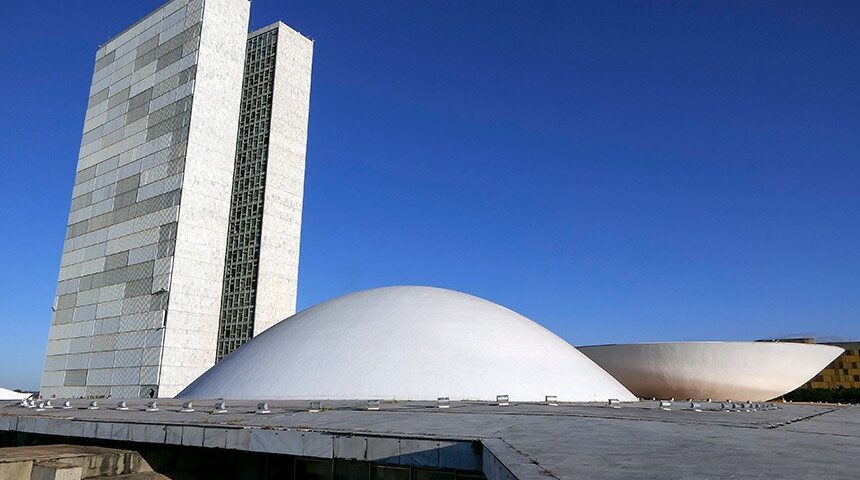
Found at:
(407, 343)
(740, 371)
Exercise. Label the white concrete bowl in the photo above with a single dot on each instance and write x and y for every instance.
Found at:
(740, 371)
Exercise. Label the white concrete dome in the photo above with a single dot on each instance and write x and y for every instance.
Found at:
(6, 394)
(741, 371)
(407, 343)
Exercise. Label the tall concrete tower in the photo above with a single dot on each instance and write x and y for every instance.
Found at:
(261, 265)
(161, 185)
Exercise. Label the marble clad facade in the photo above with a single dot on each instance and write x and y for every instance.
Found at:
(140, 290)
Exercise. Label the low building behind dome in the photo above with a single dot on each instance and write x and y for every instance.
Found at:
(740, 371)
(407, 343)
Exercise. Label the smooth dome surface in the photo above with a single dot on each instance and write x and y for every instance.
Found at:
(407, 343)
(6, 394)
(741, 371)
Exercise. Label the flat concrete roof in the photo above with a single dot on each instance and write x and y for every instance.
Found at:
(524, 441)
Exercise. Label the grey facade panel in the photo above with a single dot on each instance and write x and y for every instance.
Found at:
(146, 46)
(118, 98)
(98, 98)
(138, 113)
(105, 61)
(117, 260)
(127, 184)
(140, 99)
(75, 378)
(169, 58)
(145, 59)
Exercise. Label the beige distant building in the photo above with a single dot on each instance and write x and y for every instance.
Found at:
(844, 372)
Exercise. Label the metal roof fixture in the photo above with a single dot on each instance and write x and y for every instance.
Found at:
(67, 405)
(187, 407)
(443, 402)
(315, 406)
(373, 404)
(40, 407)
(49, 404)
(152, 407)
(614, 403)
(502, 400)
(24, 403)
(122, 406)
(220, 407)
(94, 405)
(551, 400)
(696, 407)
(263, 407)
(665, 405)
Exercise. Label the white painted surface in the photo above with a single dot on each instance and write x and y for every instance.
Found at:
(407, 343)
(740, 371)
(191, 335)
(6, 394)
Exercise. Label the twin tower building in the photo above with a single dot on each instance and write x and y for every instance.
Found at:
(183, 234)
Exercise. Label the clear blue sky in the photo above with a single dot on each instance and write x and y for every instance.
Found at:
(617, 171)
